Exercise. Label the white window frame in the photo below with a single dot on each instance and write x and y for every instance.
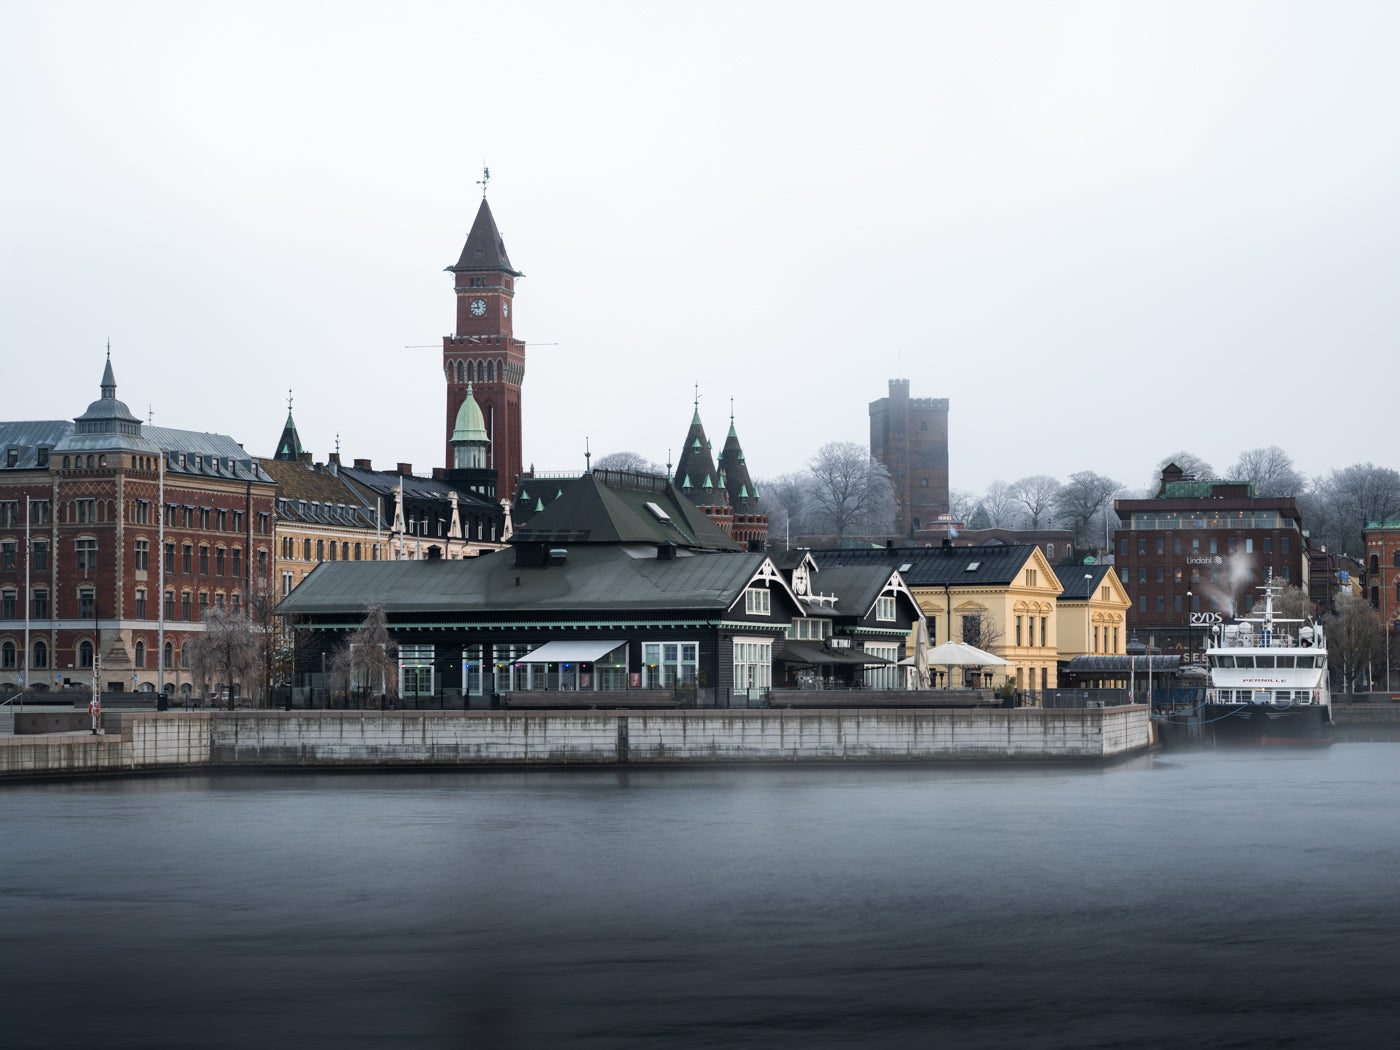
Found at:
(753, 665)
(758, 601)
(885, 608)
(666, 665)
(883, 676)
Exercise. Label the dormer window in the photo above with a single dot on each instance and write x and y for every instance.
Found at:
(758, 601)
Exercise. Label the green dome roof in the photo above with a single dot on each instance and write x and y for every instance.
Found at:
(471, 424)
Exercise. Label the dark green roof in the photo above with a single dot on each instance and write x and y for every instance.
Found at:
(591, 581)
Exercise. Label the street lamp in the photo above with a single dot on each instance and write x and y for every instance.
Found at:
(1189, 633)
(1088, 618)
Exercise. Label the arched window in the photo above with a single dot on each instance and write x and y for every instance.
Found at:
(67, 462)
(169, 654)
(460, 371)
(1396, 559)
(7, 655)
(84, 653)
(139, 657)
(41, 655)
(1375, 563)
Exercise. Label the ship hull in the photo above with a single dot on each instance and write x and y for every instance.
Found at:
(1262, 725)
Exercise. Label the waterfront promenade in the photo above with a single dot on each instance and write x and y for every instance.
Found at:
(167, 741)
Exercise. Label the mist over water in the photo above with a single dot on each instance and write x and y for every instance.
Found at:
(1196, 899)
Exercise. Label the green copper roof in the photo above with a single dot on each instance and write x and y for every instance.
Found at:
(471, 424)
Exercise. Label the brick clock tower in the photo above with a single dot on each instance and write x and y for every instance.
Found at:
(484, 353)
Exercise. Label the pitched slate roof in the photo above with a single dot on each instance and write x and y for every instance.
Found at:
(592, 581)
(289, 444)
(484, 250)
(612, 507)
(317, 496)
(743, 496)
(934, 566)
(696, 475)
(1071, 579)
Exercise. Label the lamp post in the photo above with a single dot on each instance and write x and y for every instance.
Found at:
(1088, 618)
(1190, 635)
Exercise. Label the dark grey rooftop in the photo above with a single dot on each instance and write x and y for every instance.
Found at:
(592, 580)
(934, 566)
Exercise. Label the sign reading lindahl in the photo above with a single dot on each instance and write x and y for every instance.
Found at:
(1208, 560)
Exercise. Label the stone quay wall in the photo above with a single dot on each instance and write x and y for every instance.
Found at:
(1374, 713)
(158, 741)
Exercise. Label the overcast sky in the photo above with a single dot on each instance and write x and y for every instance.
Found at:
(1103, 231)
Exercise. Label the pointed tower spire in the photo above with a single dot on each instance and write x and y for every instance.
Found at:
(289, 444)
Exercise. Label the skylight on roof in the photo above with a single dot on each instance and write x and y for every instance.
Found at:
(972, 565)
(906, 566)
(661, 515)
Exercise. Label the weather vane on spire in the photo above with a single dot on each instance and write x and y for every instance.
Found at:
(731, 411)
(109, 348)
(697, 397)
(289, 401)
(485, 178)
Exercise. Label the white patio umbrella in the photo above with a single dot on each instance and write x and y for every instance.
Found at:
(958, 654)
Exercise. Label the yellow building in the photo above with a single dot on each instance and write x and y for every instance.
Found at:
(1002, 599)
(1093, 611)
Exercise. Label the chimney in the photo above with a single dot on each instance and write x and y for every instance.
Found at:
(439, 473)
(362, 464)
(305, 457)
(405, 468)
(334, 457)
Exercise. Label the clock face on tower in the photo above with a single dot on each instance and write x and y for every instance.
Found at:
(478, 307)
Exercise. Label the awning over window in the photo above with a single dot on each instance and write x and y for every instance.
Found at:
(571, 652)
(1124, 664)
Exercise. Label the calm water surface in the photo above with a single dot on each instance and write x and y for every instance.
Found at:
(1184, 900)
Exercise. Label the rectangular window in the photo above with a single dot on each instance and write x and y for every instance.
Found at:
(187, 558)
(9, 513)
(753, 659)
(87, 603)
(141, 513)
(170, 557)
(1176, 603)
(1123, 576)
(1284, 572)
(40, 512)
(86, 511)
(238, 521)
(1176, 546)
(1122, 549)
(1096, 640)
(1283, 544)
(262, 563)
(1043, 642)
(758, 601)
(415, 670)
(9, 555)
(203, 560)
(286, 584)
(143, 554)
(41, 604)
(141, 605)
(1161, 603)
(263, 527)
(219, 561)
(169, 607)
(1196, 546)
(666, 665)
(1142, 575)
(1161, 574)
(204, 518)
(203, 604)
(8, 602)
(1268, 544)
(1213, 547)
(1142, 546)
(86, 547)
(305, 550)
(885, 675)
(221, 520)
(1018, 631)
(1249, 544)
(884, 609)
(188, 517)
(234, 603)
(1161, 546)
(41, 556)
(1142, 603)
(237, 562)
(185, 607)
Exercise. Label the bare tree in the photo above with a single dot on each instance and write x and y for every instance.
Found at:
(1269, 470)
(1001, 504)
(1336, 508)
(366, 664)
(961, 504)
(226, 654)
(634, 462)
(851, 491)
(1080, 499)
(1189, 462)
(1293, 603)
(786, 501)
(981, 630)
(1037, 494)
(1355, 637)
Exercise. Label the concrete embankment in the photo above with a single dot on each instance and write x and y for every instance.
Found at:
(151, 741)
(1368, 714)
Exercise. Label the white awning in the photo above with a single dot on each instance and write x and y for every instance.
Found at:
(571, 652)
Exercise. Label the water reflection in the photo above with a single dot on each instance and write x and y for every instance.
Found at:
(1195, 899)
